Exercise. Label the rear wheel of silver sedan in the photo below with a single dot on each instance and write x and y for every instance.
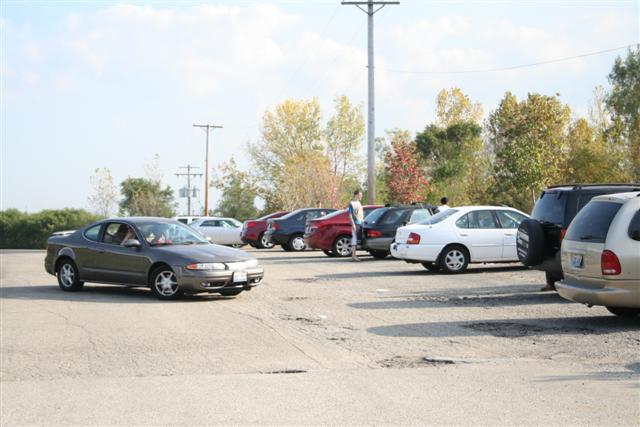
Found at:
(164, 284)
(68, 276)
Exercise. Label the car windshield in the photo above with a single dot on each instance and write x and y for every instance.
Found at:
(291, 214)
(374, 216)
(232, 222)
(439, 217)
(169, 233)
(550, 207)
(592, 223)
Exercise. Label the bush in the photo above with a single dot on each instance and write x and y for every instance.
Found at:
(20, 230)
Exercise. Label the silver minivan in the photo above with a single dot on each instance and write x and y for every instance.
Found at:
(601, 255)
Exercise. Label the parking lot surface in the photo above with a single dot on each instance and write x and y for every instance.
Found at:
(321, 341)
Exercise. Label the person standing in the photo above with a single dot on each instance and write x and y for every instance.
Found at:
(443, 205)
(356, 215)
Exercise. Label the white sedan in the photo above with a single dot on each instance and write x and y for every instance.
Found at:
(222, 231)
(456, 237)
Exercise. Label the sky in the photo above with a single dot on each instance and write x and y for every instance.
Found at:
(96, 84)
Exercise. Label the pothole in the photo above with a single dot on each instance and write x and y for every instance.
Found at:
(516, 330)
(414, 362)
(285, 371)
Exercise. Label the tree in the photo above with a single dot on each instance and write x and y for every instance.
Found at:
(528, 141)
(145, 197)
(238, 192)
(298, 163)
(105, 194)
(405, 180)
(344, 133)
(454, 106)
(624, 103)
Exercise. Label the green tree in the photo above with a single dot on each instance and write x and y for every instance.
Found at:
(238, 192)
(145, 197)
(453, 106)
(105, 193)
(624, 103)
(406, 182)
(528, 140)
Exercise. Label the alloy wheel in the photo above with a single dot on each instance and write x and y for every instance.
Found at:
(67, 275)
(267, 244)
(298, 243)
(343, 246)
(454, 260)
(166, 283)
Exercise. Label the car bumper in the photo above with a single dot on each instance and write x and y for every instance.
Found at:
(611, 293)
(422, 253)
(377, 244)
(216, 281)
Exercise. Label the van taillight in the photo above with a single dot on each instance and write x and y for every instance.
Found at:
(413, 239)
(374, 233)
(610, 264)
(563, 232)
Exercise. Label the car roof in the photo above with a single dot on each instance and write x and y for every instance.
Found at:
(618, 197)
(587, 187)
(478, 207)
(139, 219)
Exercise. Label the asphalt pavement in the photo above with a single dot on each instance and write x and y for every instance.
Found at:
(321, 341)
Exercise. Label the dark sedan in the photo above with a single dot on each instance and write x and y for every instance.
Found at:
(288, 230)
(380, 226)
(165, 255)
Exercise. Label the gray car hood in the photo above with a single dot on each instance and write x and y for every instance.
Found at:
(199, 253)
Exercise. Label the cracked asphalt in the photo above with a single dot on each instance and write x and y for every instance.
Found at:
(322, 341)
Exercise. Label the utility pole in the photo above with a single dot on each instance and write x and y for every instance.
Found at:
(207, 129)
(189, 188)
(372, 8)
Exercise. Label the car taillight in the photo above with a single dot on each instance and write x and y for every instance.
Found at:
(610, 264)
(563, 232)
(249, 224)
(413, 239)
(374, 233)
(275, 225)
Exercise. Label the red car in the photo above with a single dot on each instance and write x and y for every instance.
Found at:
(332, 233)
(253, 231)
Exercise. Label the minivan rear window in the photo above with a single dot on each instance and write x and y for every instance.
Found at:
(374, 216)
(592, 223)
(551, 207)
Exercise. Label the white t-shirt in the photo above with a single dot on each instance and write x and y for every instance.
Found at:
(443, 208)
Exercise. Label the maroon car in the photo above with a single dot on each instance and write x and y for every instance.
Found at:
(332, 233)
(253, 231)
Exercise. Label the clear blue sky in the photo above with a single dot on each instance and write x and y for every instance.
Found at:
(106, 84)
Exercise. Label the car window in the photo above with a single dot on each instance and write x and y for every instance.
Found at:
(592, 223)
(230, 223)
(439, 217)
(374, 216)
(392, 217)
(419, 215)
(210, 223)
(551, 207)
(170, 233)
(183, 220)
(314, 214)
(482, 220)
(463, 221)
(115, 233)
(93, 233)
(510, 219)
(634, 227)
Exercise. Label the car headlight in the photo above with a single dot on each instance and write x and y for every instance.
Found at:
(207, 266)
(251, 263)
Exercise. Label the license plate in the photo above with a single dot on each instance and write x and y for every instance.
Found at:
(576, 261)
(239, 276)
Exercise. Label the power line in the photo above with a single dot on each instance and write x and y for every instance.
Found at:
(208, 129)
(512, 67)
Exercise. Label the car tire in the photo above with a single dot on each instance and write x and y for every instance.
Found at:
(624, 311)
(232, 293)
(454, 259)
(530, 242)
(68, 276)
(263, 243)
(329, 254)
(296, 243)
(379, 254)
(164, 284)
(431, 266)
(285, 247)
(342, 246)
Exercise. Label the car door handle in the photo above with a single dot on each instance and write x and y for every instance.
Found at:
(508, 234)
(464, 234)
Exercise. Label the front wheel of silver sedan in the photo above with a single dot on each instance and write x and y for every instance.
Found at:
(164, 284)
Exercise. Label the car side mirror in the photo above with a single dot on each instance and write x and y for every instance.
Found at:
(132, 243)
(635, 234)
